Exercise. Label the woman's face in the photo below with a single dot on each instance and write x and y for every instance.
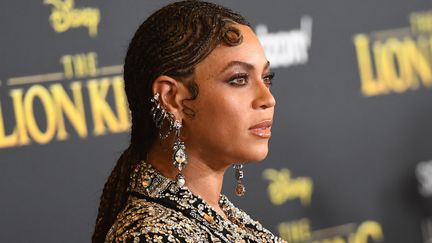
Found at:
(234, 108)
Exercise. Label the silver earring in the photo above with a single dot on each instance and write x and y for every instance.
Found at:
(180, 157)
(240, 188)
(161, 115)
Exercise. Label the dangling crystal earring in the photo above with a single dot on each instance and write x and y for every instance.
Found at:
(160, 115)
(179, 155)
(240, 188)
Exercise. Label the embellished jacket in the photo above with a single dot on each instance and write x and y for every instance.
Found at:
(158, 210)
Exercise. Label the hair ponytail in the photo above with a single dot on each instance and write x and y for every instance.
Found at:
(114, 194)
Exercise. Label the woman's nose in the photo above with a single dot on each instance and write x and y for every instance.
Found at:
(264, 98)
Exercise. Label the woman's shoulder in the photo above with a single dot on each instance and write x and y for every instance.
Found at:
(146, 221)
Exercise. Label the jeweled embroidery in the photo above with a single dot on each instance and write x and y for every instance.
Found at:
(159, 210)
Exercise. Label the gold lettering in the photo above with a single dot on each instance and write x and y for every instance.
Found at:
(366, 230)
(400, 65)
(74, 111)
(418, 63)
(17, 98)
(297, 231)
(53, 106)
(80, 65)
(102, 112)
(300, 231)
(66, 60)
(421, 22)
(92, 64)
(38, 91)
(392, 60)
(64, 16)
(282, 187)
(7, 140)
(370, 85)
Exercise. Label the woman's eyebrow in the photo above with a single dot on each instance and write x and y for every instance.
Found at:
(243, 64)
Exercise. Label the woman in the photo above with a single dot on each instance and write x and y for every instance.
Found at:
(197, 83)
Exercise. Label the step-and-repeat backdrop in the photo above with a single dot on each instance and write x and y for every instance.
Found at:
(351, 154)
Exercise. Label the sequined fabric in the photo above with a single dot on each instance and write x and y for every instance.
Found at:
(159, 211)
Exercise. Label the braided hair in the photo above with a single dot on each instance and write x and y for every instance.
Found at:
(170, 42)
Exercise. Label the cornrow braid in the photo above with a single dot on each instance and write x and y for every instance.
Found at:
(172, 41)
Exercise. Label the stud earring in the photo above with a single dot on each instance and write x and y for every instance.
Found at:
(240, 188)
(179, 156)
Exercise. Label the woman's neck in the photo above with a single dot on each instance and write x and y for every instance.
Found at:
(201, 179)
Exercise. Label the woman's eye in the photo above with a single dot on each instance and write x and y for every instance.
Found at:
(268, 79)
(239, 80)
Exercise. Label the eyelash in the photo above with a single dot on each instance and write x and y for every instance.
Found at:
(233, 80)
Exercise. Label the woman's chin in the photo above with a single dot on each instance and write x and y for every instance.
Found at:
(257, 154)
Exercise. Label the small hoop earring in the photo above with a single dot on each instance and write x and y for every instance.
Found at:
(240, 188)
(160, 115)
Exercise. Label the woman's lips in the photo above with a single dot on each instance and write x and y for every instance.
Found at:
(262, 129)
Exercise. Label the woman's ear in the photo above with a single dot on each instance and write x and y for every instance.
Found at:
(172, 93)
